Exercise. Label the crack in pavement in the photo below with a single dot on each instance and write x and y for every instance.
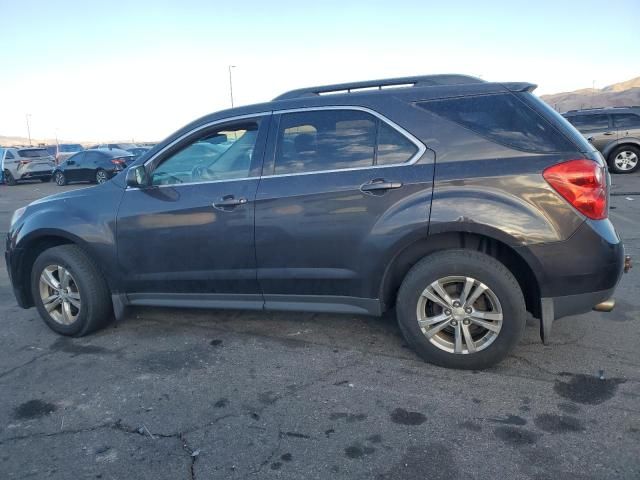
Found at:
(29, 362)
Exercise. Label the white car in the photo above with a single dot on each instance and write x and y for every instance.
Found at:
(29, 163)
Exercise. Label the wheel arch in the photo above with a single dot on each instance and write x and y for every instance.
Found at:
(31, 246)
(632, 141)
(508, 255)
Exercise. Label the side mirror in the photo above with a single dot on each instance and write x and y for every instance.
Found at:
(137, 177)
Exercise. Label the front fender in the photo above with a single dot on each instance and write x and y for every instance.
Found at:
(84, 217)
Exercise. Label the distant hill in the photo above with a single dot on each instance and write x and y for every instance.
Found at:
(9, 141)
(617, 95)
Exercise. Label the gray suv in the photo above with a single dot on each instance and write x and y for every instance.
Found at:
(614, 131)
(461, 203)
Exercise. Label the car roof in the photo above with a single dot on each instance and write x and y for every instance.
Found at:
(363, 94)
(112, 152)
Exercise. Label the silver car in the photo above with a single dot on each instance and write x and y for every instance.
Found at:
(28, 163)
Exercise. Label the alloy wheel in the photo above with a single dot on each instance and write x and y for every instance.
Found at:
(60, 178)
(101, 176)
(59, 294)
(626, 160)
(459, 314)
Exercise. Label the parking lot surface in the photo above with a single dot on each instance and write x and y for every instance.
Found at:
(182, 394)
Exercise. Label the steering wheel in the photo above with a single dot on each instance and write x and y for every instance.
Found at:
(201, 172)
(198, 172)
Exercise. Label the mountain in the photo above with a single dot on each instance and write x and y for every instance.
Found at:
(617, 95)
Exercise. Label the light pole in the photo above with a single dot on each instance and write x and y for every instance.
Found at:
(231, 84)
(28, 116)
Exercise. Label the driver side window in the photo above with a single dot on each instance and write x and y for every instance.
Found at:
(223, 154)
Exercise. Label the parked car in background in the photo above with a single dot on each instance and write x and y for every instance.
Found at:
(119, 146)
(62, 151)
(93, 165)
(614, 131)
(461, 203)
(137, 151)
(29, 163)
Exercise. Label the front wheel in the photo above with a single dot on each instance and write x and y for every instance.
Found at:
(60, 179)
(69, 291)
(461, 309)
(625, 159)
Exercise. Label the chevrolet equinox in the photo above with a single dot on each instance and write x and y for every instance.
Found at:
(462, 203)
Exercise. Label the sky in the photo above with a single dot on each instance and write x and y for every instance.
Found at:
(139, 70)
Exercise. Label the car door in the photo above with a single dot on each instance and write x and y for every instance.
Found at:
(92, 161)
(188, 238)
(327, 209)
(627, 125)
(72, 167)
(596, 128)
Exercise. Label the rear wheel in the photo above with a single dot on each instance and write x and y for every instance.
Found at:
(461, 309)
(625, 159)
(8, 178)
(101, 176)
(60, 179)
(69, 292)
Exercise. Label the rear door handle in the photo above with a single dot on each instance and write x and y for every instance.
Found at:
(379, 184)
(229, 201)
(608, 133)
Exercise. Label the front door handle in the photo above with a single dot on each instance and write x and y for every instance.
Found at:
(379, 185)
(229, 201)
(608, 133)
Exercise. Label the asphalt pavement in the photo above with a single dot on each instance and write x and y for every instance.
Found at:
(186, 394)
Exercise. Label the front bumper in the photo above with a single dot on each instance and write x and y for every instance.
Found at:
(13, 258)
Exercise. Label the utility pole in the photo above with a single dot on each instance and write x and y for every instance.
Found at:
(231, 84)
(27, 116)
(593, 91)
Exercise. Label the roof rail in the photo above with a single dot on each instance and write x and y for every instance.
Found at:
(601, 108)
(354, 87)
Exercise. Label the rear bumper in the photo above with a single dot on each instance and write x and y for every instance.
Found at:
(580, 272)
(36, 174)
(579, 303)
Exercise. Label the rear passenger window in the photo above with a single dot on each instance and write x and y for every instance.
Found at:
(325, 140)
(322, 140)
(502, 118)
(590, 122)
(622, 120)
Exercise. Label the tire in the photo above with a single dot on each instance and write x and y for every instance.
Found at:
(503, 299)
(101, 176)
(45, 179)
(8, 178)
(625, 159)
(87, 295)
(60, 179)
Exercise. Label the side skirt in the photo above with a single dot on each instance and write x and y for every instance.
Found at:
(300, 303)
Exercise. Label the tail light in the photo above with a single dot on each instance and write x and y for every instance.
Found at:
(118, 161)
(583, 184)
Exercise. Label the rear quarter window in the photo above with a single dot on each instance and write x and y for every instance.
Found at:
(504, 119)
